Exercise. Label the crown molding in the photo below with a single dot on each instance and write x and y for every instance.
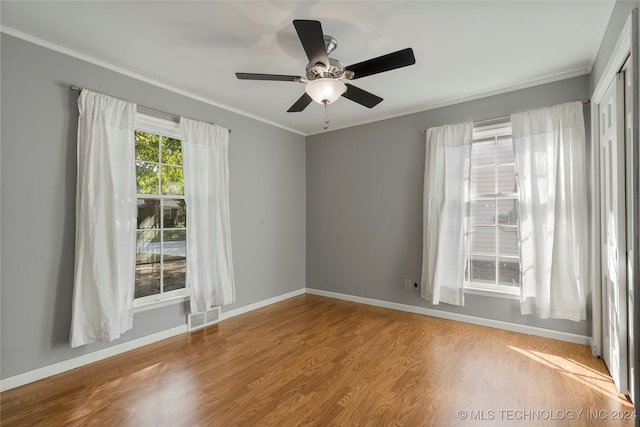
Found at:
(453, 101)
(121, 70)
(404, 112)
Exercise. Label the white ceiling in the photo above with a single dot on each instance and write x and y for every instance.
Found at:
(463, 49)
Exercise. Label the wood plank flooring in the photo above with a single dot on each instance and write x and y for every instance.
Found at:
(315, 361)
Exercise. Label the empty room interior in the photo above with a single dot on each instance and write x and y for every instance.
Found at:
(319, 213)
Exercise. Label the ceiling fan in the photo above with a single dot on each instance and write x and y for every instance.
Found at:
(325, 77)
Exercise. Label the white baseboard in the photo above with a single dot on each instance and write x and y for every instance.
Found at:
(85, 359)
(76, 362)
(514, 327)
(247, 308)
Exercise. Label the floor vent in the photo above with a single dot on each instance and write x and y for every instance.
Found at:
(200, 320)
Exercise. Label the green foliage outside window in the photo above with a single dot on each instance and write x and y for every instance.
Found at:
(162, 216)
(158, 164)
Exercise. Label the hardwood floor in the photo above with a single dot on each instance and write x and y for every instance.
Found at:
(318, 361)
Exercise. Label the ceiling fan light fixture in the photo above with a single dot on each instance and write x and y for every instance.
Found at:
(325, 90)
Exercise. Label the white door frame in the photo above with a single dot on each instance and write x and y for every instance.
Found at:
(615, 342)
(626, 47)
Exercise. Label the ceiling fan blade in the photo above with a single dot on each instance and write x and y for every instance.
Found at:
(312, 39)
(300, 104)
(383, 63)
(361, 96)
(275, 77)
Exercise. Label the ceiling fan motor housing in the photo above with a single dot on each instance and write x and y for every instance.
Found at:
(335, 70)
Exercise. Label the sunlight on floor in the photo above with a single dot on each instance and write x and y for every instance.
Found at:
(153, 402)
(597, 381)
(156, 369)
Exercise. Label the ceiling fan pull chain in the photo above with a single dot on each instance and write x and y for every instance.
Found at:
(326, 115)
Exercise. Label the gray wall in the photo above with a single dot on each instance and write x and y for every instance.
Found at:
(364, 203)
(619, 17)
(38, 167)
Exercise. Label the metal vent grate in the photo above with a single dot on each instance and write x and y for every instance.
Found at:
(200, 320)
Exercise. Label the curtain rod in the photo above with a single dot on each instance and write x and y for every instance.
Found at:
(477, 122)
(79, 89)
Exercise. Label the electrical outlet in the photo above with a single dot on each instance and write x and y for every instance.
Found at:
(408, 284)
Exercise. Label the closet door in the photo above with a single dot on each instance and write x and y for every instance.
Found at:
(613, 233)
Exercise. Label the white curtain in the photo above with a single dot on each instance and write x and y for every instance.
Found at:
(206, 187)
(550, 151)
(445, 212)
(105, 220)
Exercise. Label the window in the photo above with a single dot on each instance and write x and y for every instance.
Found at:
(161, 237)
(493, 261)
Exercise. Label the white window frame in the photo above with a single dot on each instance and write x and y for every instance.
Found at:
(495, 129)
(156, 125)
